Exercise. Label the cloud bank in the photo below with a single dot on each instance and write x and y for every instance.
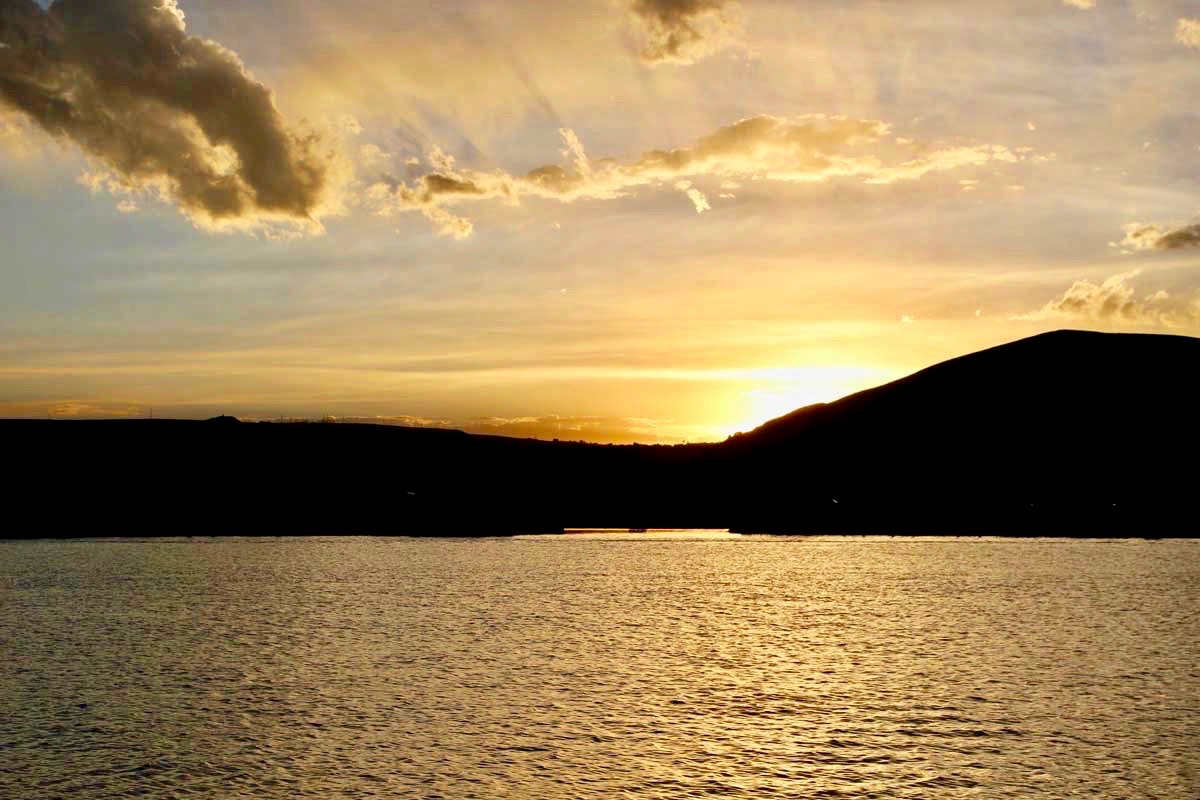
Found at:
(813, 148)
(159, 110)
(683, 31)
(1115, 302)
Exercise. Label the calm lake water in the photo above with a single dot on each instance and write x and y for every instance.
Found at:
(652, 666)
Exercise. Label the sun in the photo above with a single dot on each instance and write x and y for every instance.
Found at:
(772, 393)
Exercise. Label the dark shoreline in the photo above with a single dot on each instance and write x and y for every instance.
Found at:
(1068, 433)
(244, 479)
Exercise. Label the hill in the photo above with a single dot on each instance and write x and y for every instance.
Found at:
(1067, 433)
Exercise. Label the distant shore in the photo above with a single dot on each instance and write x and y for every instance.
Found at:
(1063, 434)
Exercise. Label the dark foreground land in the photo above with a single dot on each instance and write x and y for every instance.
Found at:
(1067, 433)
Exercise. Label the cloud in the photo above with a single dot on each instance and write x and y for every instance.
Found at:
(699, 201)
(160, 111)
(574, 150)
(1115, 302)
(1084, 4)
(72, 409)
(18, 139)
(1187, 32)
(1139, 236)
(447, 224)
(813, 148)
(682, 31)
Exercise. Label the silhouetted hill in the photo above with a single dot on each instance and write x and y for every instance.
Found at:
(1067, 433)
(1071, 431)
(1035, 380)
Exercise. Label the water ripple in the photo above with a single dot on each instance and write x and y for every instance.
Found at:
(599, 667)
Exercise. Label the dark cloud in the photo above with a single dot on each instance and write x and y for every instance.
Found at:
(160, 109)
(1159, 237)
(435, 185)
(680, 31)
(1180, 238)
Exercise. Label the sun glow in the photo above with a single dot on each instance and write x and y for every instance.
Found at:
(786, 390)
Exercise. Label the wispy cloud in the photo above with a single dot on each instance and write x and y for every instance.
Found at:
(698, 198)
(160, 111)
(813, 148)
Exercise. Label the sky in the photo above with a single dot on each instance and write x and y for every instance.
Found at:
(608, 220)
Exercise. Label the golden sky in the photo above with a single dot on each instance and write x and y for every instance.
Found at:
(613, 220)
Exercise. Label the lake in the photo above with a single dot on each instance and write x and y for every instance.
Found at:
(600, 665)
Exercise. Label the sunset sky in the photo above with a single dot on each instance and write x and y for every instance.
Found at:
(613, 220)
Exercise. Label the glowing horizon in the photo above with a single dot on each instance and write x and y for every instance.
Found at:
(613, 221)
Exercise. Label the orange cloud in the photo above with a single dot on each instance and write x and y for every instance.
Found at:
(812, 148)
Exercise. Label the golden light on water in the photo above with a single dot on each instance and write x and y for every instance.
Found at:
(601, 664)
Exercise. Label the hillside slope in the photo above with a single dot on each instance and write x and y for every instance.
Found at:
(1069, 422)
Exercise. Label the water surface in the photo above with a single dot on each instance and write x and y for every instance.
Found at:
(600, 665)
